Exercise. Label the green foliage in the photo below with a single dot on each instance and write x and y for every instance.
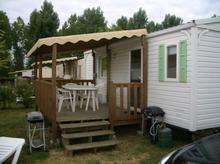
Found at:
(5, 26)
(49, 20)
(92, 20)
(4, 57)
(139, 20)
(121, 24)
(152, 26)
(18, 42)
(170, 21)
(25, 91)
(7, 95)
(42, 23)
(70, 27)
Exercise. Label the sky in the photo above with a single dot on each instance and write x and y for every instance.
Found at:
(113, 9)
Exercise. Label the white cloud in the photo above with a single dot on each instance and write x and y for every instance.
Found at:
(113, 9)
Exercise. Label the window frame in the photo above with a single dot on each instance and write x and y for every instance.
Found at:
(133, 49)
(177, 62)
(100, 58)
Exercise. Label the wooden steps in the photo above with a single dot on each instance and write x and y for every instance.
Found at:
(86, 135)
(84, 124)
(91, 145)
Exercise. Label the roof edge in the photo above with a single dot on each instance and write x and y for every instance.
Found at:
(171, 29)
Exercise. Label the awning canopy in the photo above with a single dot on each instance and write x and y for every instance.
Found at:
(60, 60)
(82, 42)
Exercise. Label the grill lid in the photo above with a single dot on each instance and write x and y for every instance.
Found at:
(33, 117)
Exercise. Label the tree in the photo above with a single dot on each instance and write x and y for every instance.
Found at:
(170, 21)
(122, 23)
(151, 27)
(4, 56)
(49, 20)
(18, 42)
(91, 21)
(5, 27)
(33, 31)
(139, 20)
(42, 23)
(70, 27)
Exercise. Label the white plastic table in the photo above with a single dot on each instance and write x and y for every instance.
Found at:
(91, 92)
(10, 146)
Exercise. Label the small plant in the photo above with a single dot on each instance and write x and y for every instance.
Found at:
(25, 92)
(7, 95)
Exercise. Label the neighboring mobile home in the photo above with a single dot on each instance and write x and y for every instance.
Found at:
(28, 73)
(66, 67)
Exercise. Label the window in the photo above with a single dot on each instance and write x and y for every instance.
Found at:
(102, 66)
(172, 62)
(135, 65)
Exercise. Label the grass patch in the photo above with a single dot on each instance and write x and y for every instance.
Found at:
(132, 148)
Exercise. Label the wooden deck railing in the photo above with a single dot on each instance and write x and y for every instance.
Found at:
(61, 82)
(44, 99)
(125, 102)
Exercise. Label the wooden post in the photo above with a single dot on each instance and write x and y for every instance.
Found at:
(40, 91)
(36, 88)
(108, 52)
(40, 67)
(54, 107)
(112, 104)
(94, 67)
(35, 68)
(145, 69)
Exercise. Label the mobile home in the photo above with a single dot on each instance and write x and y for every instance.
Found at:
(177, 69)
(183, 72)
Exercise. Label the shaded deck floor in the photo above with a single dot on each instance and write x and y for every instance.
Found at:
(122, 117)
(82, 115)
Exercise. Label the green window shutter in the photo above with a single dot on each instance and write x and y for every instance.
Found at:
(161, 62)
(183, 61)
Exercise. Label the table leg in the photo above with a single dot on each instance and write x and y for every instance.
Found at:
(74, 101)
(97, 101)
(87, 102)
(93, 100)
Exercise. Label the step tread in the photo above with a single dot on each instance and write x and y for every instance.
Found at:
(88, 134)
(84, 124)
(81, 118)
(92, 145)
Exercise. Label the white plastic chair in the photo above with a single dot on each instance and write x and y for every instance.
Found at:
(64, 95)
(87, 96)
(10, 146)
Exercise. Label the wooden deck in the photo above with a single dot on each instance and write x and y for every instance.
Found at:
(82, 115)
(66, 115)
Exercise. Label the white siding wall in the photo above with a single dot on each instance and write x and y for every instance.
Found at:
(101, 81)
(173, 97)
(120, 64)
(88, 66)
(59, 70)
(208, 81)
